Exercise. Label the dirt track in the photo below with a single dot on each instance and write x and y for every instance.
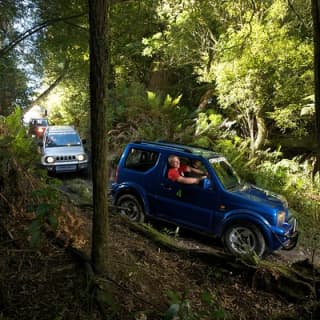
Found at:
(187, 238)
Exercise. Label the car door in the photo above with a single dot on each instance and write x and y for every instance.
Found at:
(189, 205)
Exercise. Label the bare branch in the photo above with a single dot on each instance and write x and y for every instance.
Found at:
(296, 13)
(34, 30)
(46, 92)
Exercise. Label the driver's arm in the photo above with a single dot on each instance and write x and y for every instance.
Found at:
(189, 180)
(198, 171)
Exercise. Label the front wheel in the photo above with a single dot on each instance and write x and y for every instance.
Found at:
(130, 206)
(244, 238)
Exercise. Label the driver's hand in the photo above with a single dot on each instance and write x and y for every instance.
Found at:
(202, 178)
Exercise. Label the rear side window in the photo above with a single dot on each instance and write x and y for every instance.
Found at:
(141, 160)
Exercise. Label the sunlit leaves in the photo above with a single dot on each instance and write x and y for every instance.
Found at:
(188, 34)
(290, 119)
(263, 67)
(152, 44)
(208, 123)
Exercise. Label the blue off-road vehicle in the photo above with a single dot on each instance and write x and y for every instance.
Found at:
(248, 219)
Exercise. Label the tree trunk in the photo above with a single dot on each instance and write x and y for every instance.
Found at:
(261, 133)
(316, 40)
(257, 130)
(98, 18)
(205, 100)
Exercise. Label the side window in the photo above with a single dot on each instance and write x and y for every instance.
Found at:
(141, 160)
(193, 164)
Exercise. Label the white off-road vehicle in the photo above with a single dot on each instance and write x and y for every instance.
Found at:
(62, 150)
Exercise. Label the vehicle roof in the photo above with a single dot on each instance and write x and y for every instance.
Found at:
(60, 129)
(178, 147)
(32, 119)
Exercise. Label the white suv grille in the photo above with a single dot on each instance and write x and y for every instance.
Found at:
(65, 158)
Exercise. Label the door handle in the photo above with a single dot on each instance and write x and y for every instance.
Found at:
(166, 187)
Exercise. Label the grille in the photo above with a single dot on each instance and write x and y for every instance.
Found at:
(65, 158)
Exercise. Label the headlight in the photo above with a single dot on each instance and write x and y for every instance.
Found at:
(81, 157)
(50, 159)
(281, 218)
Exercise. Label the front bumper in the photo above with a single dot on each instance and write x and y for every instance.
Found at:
(290, 240)
(66, 167)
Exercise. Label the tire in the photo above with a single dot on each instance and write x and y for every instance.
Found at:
(243, 239)
(130, 206)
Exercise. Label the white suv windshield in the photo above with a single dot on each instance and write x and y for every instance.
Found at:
(225, 172)
(62, 140)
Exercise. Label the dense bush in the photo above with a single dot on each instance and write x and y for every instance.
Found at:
(24, 190)
(293, 179)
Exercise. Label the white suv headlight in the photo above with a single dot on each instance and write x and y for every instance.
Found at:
(81, 157)
(49, 159)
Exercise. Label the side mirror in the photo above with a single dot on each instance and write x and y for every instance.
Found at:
(207, 184)
(84, 141)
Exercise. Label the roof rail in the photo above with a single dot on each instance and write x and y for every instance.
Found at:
(189, 145)
(176, 146)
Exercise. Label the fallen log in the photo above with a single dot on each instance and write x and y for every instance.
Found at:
(299, 281)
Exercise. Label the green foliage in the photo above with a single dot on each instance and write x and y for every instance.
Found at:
(263, 67)
(237, 152)
(293, 179)
(180, 308)
(13, 79)
(13, 85)
(188, 33)
(291, 119)
(14, 141)
(62, 59)
(68, 106)
(208, 124)
(127, 46)
(140, 114)
(19, 187)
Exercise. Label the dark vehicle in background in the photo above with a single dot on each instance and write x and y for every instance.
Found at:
(37, 127)
(247, 219)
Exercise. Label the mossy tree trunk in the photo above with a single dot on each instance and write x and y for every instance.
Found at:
(99, 56)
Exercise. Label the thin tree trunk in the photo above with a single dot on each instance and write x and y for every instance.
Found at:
(316, 40)
(98, 18)
(261, 133)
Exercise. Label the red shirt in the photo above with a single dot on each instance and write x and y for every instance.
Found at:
(175, 173)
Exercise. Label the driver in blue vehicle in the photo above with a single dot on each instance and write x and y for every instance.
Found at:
(177, 172)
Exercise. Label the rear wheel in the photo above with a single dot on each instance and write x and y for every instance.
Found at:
(130, 206)
(244, 238)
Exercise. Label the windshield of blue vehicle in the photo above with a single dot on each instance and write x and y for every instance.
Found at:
(62, 140)
(225, 172)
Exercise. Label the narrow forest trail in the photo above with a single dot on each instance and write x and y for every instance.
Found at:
(75, 187)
